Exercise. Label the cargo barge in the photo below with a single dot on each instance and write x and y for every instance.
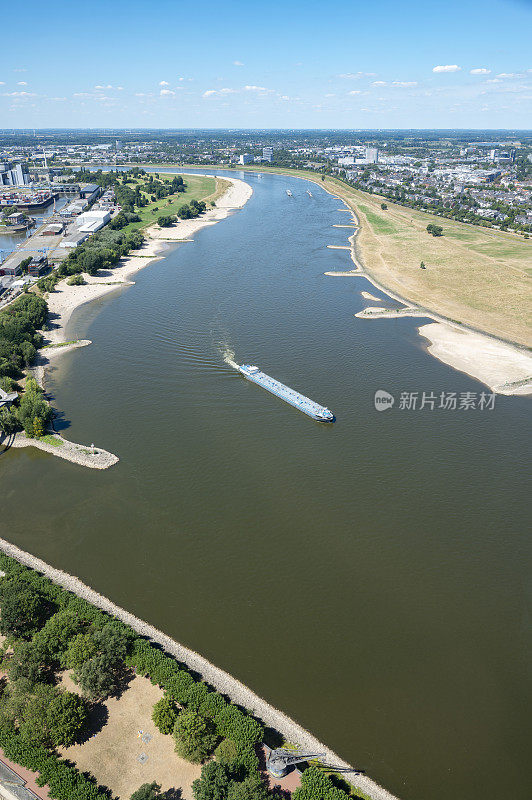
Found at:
(299, 401)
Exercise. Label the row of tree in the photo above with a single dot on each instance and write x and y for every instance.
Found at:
(48, 629)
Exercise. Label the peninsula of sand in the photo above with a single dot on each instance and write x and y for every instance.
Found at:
(65, 299)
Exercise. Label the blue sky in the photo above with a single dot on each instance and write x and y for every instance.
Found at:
(291, 64)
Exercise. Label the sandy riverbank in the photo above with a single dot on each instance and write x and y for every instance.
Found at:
(65, 299)
(503, 367)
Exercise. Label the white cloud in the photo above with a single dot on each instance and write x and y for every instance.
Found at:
(225, 90)
(2, 83)
(58, 99)
(256, 89)
(480, 71)
(494, 80)
(404, 83)
(120, 88)
(330, 94)
(356, 75)
(19, 94)
(164, 83)
(508, 75)
(166, 93)
(355, 91)
(22, 83)
(447, 68)
(238, 64)
(284, 97)
(379, 83)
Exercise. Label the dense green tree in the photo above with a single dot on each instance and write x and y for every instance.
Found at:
(8, 421)
(213, 783)
(29, 660)
(97, 677)
(55, 635)
(148, 791)
(80, 648)
(32, 405)
(67, 717)
(164, 714)
(251, 788)
(194, 736)
(23, 609)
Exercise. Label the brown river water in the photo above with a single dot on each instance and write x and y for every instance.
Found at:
(371, 577)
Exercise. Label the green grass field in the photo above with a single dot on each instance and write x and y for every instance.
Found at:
(199, 187)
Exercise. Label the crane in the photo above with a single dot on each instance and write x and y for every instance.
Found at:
(280, 760)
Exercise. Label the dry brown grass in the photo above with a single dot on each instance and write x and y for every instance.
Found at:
(474, 275)
(111, 755)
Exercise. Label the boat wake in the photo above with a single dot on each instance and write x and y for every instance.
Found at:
(229, 357)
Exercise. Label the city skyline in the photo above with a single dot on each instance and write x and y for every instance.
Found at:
(295, 66)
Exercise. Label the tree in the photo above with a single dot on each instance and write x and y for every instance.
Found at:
(80, 648)
(67, 716)
(148, 791)
(164, 714)
(213, 783)
(422, 265)
(23, 609)
(194, 736)
(435, 230)
(384, 206)
(28, 660)
(33, 405)
(97, 677)
(8, 421)
(251, 788)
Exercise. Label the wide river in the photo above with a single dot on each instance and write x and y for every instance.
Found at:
(369, 577)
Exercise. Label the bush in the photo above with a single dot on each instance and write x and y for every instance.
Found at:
(165, 222)
(194, 736)
(164, 715)
(435, 230)
(76, 280)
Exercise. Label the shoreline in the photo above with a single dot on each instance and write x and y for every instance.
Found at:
(502, 365)
(65, 300)
(222, 681)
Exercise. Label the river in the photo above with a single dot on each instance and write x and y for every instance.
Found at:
(369, 577)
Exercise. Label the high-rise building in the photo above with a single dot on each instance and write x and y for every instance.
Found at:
(13, 174)
(245, 158)
(267, 153)
(371, 155)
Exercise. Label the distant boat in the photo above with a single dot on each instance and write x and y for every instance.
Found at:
(309, 193)
(259, 175)
(289, 193)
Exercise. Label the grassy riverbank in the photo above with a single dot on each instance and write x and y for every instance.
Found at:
(198, 187)
(475, 276)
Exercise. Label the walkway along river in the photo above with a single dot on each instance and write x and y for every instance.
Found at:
(369, 577)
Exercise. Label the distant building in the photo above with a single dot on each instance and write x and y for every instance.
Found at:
(245, 158)
(267, 154)
(346, 161)
(13, 174)
(371, 155)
